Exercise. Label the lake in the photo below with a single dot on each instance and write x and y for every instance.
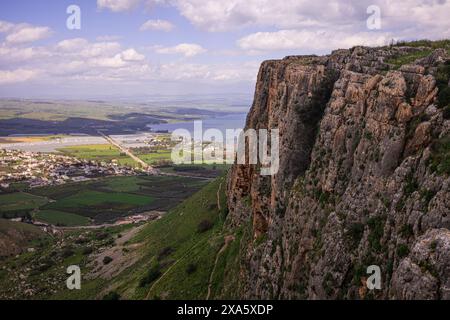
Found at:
(229, 121)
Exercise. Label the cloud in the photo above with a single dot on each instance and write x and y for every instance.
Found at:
(160, 25)
(132, 55)
(186, 49)
(118, 5)
(23, 32)
(5, 26)
(219, 72)
(225, 15)
(311, 40)
(15, 76)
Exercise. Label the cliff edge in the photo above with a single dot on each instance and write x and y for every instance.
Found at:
(363, 178)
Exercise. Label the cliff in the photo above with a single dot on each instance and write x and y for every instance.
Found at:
(363, 179)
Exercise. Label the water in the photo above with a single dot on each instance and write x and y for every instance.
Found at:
(231, 121)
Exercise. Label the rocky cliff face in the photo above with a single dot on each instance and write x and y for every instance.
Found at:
(363, 179)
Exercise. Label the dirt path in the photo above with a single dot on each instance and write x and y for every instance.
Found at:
(228, 240)
(218, 196)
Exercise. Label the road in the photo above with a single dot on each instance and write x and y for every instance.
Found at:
(127, 151)
(145, 165)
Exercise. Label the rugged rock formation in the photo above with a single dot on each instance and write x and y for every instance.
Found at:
(363, 179)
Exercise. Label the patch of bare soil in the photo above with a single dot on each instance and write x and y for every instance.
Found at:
(122, 254)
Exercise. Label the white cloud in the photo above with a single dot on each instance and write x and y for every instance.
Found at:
(186, 49)
(212, 15)
(15, 76)
(312, 40)
(117, 5)
(23, 32)
(5, 26)
(160, 25)
(132, 55)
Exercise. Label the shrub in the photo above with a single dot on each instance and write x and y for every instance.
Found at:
(107, 260)
(376, 227)
(406, 231)
(411, 185)
(152, 274)
(67, 252)
(204, 226)
(164, 253)
(191, 268)
(440, 155)
(446, 113)
(402, 250)
(355, 233)
(88, 250)
(101, 235)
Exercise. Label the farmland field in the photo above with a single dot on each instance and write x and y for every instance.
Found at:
(107, 199)
(98, 152)
(20, 201)
(61, 218)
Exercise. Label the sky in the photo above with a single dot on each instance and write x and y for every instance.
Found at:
(140, 48)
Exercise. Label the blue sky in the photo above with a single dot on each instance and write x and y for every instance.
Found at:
(129, 48)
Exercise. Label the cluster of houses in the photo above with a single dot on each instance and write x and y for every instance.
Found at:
(39, 169)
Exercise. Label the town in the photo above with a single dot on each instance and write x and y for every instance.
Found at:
(39, 169)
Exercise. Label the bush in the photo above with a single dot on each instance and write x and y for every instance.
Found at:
(163, 253)
(376, 227)
(406, 231)
(440, 155)
(191, 268)
(204, 226)
(101, 235)
(107, 260)
(152, 274)
(67, 252)
(446, 113)
(87, 250)
(355, 233)
(402, 250)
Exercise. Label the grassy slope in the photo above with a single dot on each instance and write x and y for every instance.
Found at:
(16, 236)
(177, 230)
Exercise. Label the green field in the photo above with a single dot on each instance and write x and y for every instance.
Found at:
(109, 198)
(99, 152)
(154, 158)
(95, 198)
(20, 201)
(61, 218)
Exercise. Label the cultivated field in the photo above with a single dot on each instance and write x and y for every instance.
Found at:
(102, 200)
